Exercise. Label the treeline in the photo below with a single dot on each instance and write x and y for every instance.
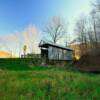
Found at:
(88, 31)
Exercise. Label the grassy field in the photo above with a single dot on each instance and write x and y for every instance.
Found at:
(21, 82)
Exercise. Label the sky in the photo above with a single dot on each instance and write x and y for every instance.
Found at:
(21, 16)
(15, 15)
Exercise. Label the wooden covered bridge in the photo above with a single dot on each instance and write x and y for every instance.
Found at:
(52, 51)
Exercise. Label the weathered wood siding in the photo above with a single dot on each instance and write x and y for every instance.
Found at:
(59, 54)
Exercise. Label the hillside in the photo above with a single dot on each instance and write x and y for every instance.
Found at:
(5, 54)
(90, 61)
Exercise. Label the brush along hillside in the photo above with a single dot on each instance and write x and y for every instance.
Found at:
(90, 61)
(19, 81)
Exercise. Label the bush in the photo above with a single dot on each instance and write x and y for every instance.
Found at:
(70, 66)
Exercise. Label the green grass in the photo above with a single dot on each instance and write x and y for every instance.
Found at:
(37, 83)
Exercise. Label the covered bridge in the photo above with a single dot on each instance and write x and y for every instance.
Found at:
(52, 51)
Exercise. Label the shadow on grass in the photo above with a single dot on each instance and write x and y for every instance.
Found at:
(19, 67)
(19, 64)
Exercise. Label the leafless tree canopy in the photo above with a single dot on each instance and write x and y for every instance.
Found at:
(88, 29)
(55, 29)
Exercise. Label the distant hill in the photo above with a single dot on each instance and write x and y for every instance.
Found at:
(5, 54)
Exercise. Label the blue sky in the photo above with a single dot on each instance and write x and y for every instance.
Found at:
(15, 15)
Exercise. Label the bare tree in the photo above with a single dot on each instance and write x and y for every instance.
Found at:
(94, 25)
(55, 29)
(24, 50)
(31, 37)
(96, 5)
(88, 31)
(96, 19)
(81, 31)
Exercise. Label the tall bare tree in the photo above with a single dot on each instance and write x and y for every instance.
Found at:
(94, 25)
(81, 31)
(55, 29)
